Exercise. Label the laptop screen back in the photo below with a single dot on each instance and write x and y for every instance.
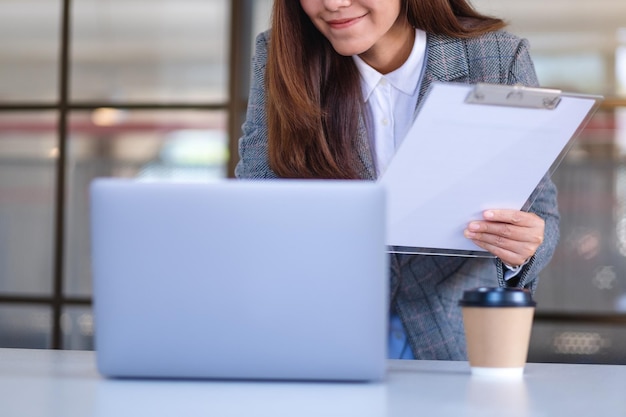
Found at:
(240, 279)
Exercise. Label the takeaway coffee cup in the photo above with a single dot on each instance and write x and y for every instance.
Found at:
(497, 323)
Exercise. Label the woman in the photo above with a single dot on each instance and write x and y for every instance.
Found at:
(336, 85)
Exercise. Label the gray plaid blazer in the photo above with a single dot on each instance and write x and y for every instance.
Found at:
(425, 289)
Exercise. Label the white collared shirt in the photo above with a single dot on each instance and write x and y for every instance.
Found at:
(390, 101)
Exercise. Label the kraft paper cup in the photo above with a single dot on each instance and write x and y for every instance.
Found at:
(498, 323)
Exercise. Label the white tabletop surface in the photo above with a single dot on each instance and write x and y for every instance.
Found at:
(45, 383)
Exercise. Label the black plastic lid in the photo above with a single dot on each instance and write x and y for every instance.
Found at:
(497, 297)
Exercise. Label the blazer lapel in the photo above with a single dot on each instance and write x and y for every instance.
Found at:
(446, 61)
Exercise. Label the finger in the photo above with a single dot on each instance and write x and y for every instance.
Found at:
(516, 217)
(493, 228)
(507, 256)
(533, 234)
(506, 236)
(516, 245)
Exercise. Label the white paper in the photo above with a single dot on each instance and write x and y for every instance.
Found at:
(459, 159)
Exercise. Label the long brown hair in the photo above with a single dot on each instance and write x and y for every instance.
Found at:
(314, 98)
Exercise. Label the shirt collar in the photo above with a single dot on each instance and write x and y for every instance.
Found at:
(405, 79)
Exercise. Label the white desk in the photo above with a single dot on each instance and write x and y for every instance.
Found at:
(45, 383)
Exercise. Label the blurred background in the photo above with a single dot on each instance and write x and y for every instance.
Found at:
(157, 89)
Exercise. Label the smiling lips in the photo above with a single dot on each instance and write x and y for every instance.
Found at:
(344, 23)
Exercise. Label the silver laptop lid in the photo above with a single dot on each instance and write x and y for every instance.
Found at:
(240, 279)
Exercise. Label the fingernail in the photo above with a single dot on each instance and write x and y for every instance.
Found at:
(474, 226)
(489, 214)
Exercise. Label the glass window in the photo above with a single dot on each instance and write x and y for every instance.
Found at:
(147, 145)
(620, 63)
(585, 274)
(573, 45)
(28, 155)
(25, 326)
(150, 50)
(77, 328)
(261, 16)
(29, 30)
(586, 73)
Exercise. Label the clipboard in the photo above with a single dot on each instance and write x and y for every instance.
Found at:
(472, 148)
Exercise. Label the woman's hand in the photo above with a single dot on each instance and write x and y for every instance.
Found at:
(511, 235)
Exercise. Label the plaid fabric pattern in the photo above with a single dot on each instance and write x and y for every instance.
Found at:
(425, 289)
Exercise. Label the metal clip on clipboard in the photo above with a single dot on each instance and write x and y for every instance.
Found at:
(515, 96)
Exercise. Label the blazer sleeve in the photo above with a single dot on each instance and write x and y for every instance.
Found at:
(253, 154)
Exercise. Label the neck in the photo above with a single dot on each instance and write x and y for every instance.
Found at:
(390, 53)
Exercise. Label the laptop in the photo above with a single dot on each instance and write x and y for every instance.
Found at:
(236, 279)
